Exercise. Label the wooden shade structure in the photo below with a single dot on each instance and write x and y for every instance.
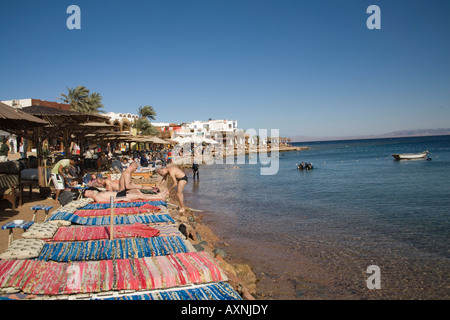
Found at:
(18, 122)
(64, 125)
(158, 140)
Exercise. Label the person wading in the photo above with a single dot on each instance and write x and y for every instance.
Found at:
(179, 179)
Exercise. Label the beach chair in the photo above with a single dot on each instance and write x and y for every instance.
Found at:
(11, 188)
(36, 209)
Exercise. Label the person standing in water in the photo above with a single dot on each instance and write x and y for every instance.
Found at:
(179, 179)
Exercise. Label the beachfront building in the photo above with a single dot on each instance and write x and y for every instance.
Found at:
(23, 103)
(167, 130)
(122, 122)
(205, 128)
(223, 131)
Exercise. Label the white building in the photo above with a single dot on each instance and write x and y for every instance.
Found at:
(224, 131)
(19, 103)
(161, 124)
(123, 121)
(208, 128)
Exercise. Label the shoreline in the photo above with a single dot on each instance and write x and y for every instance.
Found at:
(238, 270)
(202, 237)
(241, 275)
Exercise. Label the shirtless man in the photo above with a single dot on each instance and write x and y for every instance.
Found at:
(122, 195)
(126, 182)
(108, 184)
(179, 180)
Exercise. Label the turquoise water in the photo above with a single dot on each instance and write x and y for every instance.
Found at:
(312, 234)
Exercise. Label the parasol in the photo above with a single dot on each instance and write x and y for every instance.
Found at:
(13, 119)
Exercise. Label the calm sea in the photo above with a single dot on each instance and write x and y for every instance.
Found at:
(313, 234)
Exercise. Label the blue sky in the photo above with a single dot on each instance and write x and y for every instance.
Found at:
(308, 68)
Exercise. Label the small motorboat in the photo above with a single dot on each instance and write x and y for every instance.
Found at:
(305, 166)
(410, 156)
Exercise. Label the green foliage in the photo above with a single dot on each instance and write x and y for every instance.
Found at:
(82, 101)
(147, 112)
(143, 125)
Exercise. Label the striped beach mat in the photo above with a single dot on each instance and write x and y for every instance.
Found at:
(212, 291)
(125, 219)
(125, 204)
(53, 278)
(106, 212)
(112, 249)
(85, 233)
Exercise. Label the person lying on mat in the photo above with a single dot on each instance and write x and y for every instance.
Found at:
(179, 179)
(108, 184)
(105, 196)
(126, 182)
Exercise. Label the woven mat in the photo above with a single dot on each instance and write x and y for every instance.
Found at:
(84, 233)
(147, 208)
(125, 219)
(213, 291)
(112, 249)
(52, 278)
(125, 204)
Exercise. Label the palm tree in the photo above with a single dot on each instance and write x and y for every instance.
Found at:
(94, 103)
(145, 127)
(80, 100)
(147, 112)
(76, 97)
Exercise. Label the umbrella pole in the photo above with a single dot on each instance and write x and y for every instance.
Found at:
(38, 132)
(111, 227)
(45, 172)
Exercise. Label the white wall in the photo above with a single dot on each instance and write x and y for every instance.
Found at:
(22, 103)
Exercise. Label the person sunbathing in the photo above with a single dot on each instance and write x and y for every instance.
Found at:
(126, 182)
(105, 196)
(108, 184)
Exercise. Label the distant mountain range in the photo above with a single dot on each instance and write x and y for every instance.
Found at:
(395, 134)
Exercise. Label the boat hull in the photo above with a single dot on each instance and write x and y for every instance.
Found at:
(410, 156)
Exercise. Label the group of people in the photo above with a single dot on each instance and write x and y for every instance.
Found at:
(122, 189)
(152, 158)
(305, 166)
(103, 160)
(6, 147)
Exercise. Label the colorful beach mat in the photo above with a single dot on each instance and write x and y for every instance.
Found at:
(213, 291)
(147, 208)
(112, 249)
(52, 278)
(129, 219)
(85, 233)
(127, 204)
